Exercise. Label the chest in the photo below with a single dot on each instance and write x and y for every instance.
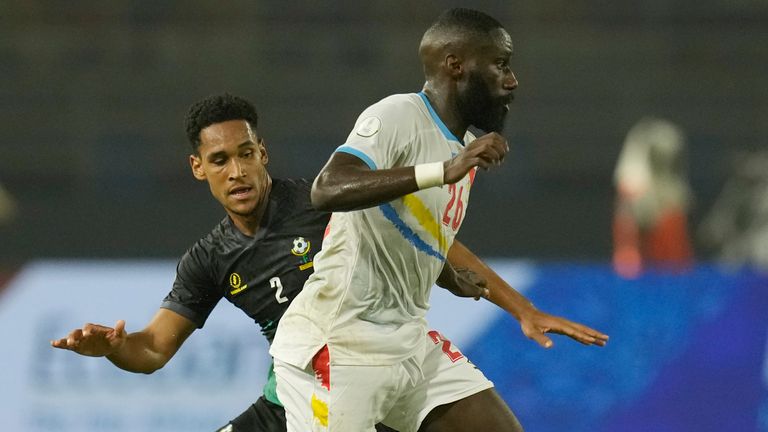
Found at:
(263, 277)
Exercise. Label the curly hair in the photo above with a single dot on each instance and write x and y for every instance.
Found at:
(216, 109)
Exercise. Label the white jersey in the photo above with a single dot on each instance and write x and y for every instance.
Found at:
(369, 294)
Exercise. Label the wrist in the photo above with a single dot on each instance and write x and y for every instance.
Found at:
(429, 175)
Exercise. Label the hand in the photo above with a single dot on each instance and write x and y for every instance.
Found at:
(484, 152)
(464, 283)
(94, 340)
(536, 324)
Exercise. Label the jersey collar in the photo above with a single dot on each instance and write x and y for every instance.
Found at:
(271, 213)
(443, 128)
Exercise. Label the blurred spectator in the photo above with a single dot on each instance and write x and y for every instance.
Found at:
(650, 227)
(7, 206)
(737, 224)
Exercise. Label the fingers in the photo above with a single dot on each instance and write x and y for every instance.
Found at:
(485, 293)
(541, 339)
(582, 334)
(120, 327)
(587, 335)
(70, 342)
(82, 340)
(536, 328)
(59, 343)
(484, 152)
(488, 151)
(74, 338)
(95, 330)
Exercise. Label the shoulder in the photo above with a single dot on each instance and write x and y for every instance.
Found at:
(291, 194)
(394, 115)
(204, 250)
(398, 105)
(292, 198)
(291, 186)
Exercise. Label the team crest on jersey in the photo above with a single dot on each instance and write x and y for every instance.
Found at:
(300, 246)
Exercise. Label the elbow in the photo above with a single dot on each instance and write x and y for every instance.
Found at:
(323, 193)
(152, 368)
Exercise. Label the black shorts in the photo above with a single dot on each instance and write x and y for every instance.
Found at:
(265, 416)
(262, 416)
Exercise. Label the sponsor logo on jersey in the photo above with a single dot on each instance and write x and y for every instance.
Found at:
(236, 282)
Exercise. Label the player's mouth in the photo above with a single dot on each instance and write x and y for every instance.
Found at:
(240, 192)
(506, 102)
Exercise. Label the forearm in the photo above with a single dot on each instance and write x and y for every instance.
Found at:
(500, 292)
(139, 355)
(347, 185)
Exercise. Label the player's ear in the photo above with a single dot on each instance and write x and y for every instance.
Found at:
(263, 152)
(197, 167)
(454, 65)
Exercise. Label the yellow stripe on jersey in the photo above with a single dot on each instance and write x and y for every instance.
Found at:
(425, 219)
(320, 410)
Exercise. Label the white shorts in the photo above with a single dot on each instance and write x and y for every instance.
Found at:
(342, 398)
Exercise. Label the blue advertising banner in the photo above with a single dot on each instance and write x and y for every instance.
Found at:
(688, 352)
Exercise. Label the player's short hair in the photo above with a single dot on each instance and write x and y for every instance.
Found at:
(216, 109)
(462, 21)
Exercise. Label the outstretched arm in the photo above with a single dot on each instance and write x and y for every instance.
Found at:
(533, 322)
(346, 183)
(144, 351)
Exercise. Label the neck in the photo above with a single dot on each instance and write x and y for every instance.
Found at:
(444, 103)
(249, 224)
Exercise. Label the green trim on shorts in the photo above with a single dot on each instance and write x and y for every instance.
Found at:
(270, 388)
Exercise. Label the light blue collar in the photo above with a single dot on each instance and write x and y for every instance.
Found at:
(443, 128)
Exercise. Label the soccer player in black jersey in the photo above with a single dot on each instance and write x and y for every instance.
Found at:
(258, 257)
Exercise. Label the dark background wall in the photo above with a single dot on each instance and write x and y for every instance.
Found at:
(93, 94)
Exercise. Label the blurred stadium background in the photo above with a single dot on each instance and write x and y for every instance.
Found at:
(97, 202)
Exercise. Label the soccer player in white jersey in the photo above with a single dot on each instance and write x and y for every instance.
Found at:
(354, 348)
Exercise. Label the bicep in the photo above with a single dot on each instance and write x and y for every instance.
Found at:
(343, 173)
(345, 164)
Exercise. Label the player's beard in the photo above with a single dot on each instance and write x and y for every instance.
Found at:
(479, 108)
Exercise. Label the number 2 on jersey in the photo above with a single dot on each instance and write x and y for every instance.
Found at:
(456, 200)
(275, 283)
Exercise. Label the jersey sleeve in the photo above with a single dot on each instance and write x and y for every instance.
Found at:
(194, 293)
(380, 135)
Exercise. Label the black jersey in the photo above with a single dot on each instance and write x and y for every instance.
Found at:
(260, 275)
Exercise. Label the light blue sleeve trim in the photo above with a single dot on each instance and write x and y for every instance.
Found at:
(355, 152)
